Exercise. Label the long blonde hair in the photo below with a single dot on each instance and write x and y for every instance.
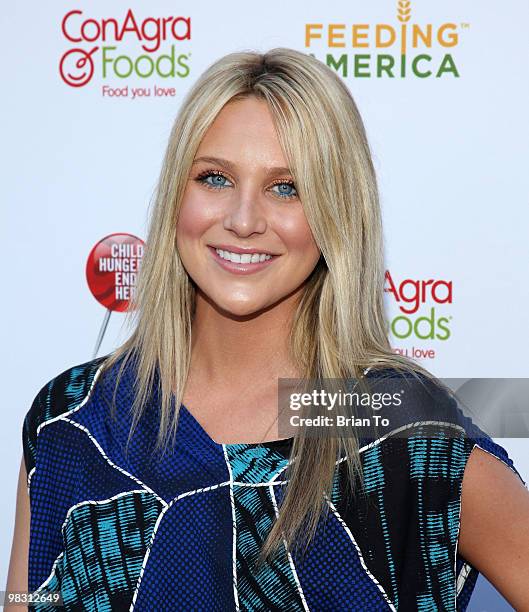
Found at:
(340, 326)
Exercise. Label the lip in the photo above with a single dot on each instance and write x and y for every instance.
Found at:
(240, 268)
(241, 250)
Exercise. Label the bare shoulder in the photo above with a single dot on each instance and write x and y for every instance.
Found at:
(494, 528)
(17, 577)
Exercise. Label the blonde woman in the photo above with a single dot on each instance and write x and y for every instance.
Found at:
(157, 475)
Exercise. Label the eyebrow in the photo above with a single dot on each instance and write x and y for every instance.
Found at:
(274, 170)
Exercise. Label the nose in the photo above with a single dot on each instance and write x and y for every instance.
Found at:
(246, 215)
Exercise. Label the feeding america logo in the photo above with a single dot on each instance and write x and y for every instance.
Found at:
(120, 49)
(402, 48)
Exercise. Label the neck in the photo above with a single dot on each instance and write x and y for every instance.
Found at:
(253, 347)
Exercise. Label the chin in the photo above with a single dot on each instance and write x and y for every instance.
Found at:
(240, 309)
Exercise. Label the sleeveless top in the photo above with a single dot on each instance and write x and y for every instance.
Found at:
(116, 530)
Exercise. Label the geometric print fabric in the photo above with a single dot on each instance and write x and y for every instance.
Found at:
(125, 530)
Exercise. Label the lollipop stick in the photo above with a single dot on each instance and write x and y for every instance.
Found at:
(102, 332)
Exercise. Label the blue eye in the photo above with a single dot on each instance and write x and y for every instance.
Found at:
(286, 189)
(286, 193)
(218, 179)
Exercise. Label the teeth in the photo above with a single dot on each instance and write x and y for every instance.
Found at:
(244, 258)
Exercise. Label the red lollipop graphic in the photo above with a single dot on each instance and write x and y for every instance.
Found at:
(111, 272)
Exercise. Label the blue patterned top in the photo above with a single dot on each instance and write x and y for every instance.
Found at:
(120, 529)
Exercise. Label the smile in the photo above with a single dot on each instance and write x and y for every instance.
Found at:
(242, 263)
(244, 258)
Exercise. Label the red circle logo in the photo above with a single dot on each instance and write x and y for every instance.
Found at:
(77, 67)
(112, 269)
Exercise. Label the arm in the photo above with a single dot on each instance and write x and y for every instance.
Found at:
(494, 530)
(17, 577)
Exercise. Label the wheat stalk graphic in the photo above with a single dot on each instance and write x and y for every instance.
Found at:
(403, 10)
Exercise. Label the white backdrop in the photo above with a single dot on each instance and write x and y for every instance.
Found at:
(450, 152)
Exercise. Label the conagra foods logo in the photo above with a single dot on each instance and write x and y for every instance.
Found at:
(413, 297)
(95, 47)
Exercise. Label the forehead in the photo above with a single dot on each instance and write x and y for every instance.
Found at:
(244, 130)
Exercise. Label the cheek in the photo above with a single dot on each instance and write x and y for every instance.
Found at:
(295, 233)
(195, 217)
